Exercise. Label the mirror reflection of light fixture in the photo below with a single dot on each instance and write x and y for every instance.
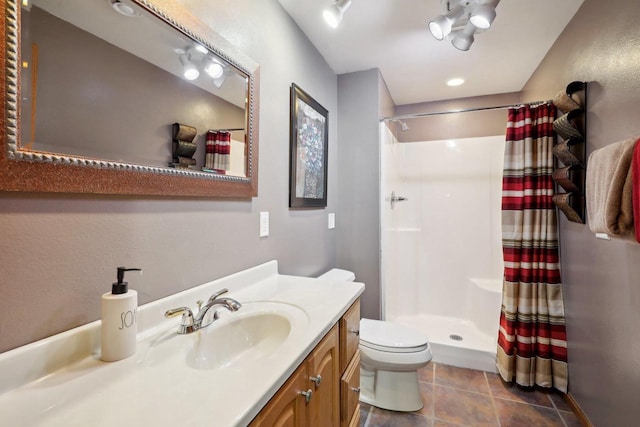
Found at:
(213, 68)
(220, 80)
(123, 8)
(189, 70)
(334, 13)
(462, 19)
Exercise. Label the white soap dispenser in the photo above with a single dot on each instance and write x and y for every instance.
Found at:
(119, 323)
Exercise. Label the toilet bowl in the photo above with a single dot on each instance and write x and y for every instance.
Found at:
(390, 356)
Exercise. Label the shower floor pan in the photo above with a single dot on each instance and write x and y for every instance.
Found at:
(455, 342)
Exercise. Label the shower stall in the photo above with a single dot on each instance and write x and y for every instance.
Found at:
(441, 243)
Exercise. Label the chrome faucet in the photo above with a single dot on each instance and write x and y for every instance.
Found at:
(191, 324)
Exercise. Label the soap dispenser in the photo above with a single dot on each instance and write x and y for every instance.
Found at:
(119, 323)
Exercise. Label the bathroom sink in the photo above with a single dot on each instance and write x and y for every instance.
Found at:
(256, 331)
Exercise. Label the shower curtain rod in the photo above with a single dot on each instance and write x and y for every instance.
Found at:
(438, 113)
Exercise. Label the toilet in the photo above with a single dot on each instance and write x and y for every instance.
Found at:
(390, 356)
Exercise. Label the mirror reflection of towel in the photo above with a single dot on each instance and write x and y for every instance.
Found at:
(609, 190)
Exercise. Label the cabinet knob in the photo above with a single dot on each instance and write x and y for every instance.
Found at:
(307, 395)
(355, 331)
(316, 380)
(356, 389)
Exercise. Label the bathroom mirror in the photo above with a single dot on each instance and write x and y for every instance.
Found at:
(97, 95)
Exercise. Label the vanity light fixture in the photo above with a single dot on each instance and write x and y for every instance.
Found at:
(462, 19)
(189, 71)
(334, 13)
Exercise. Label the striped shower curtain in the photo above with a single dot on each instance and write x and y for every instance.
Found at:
(218, 151)
(532, 342)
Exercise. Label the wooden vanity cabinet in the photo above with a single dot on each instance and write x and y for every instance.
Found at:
(321, 393)
(288, 407)
(350, 366)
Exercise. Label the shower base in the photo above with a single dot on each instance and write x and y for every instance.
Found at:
(455, 341)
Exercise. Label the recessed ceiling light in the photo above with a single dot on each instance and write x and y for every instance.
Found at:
(455, 82)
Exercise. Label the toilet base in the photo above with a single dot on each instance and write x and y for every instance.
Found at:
(392, 390)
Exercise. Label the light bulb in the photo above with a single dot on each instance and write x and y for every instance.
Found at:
(213, 68)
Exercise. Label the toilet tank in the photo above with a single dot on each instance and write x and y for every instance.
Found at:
(338, 275)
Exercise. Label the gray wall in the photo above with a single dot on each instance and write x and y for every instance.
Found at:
(131, 121)
(58, 253)
(459, 125)
(358, 216)
(601, 278)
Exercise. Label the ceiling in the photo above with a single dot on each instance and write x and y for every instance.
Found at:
(392, 35)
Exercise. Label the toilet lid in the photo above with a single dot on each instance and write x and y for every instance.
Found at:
(393, 337)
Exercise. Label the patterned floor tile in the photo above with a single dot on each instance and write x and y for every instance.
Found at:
(440, 423)
(513, 392)
(427, 393)
(570, 419)
(364, 413)
(464, 407)
(454, 405)
(558, 400)
(514, 414)
(462, 378)
(425, 374)
(382, 418)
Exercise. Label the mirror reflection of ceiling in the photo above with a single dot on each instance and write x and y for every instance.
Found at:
(110, 86)
(134, 33)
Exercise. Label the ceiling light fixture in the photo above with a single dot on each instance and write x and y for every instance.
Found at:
(334, 13)
(483, 15)
(441, 26)
(463, 39)
(463, 19)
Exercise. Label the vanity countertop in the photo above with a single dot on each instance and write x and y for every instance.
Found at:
(60, 381)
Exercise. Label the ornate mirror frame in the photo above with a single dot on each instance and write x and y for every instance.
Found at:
(33, 171)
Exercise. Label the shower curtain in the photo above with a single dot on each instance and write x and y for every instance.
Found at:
(532, 343)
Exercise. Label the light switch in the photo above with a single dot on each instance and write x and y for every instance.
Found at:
(332, 221)
(264, 224)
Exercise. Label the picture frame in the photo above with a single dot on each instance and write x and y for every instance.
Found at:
(308, 152)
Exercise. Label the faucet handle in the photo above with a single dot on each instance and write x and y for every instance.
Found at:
(185, 311)
(217, 294)
(187, 325)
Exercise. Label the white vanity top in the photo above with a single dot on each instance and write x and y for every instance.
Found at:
(60, 381)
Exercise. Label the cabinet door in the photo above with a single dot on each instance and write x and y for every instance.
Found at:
(349, 334)
(324, 379)
(288, 407)
(350, 391)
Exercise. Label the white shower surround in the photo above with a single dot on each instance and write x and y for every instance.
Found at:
(441, 249)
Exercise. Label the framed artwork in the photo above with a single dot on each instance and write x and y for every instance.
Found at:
(308, 160)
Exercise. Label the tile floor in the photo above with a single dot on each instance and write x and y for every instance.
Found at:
(465, 397)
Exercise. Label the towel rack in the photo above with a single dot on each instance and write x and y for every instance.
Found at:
(570, 151)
